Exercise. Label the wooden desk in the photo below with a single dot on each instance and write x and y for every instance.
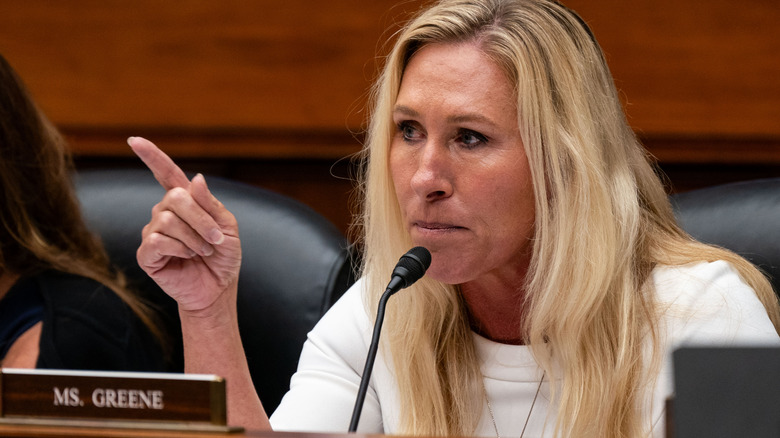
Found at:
(25, 430)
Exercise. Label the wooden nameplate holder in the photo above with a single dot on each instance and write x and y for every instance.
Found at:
(194, 402)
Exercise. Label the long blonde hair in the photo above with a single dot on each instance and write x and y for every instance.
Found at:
(603, 222)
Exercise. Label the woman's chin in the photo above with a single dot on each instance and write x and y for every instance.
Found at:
(446, 274)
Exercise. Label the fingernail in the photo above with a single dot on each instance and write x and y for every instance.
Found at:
(129, 141)
(216, 237)
(207, 250)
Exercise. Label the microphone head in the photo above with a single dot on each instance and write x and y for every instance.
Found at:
(412, 265)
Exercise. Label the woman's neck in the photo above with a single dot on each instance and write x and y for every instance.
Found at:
(496, 313)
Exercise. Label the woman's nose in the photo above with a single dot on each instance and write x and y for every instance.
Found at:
(432, 179)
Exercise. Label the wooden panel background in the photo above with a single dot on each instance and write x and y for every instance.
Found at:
(274, 93)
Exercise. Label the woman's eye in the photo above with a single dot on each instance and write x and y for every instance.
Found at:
(471, 139)
(408, 131)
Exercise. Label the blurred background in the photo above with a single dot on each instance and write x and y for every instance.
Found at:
(274, 93)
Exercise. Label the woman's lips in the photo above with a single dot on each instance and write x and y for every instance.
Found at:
(436, 226)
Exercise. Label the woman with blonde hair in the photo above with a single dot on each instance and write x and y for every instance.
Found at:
(62, 304)
(559, 284)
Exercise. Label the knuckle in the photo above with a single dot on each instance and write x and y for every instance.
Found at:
(166, 219)
(177, 195)
(154, 240)
(143, 257)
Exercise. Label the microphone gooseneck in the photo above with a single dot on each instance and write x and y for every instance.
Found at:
(410, 268)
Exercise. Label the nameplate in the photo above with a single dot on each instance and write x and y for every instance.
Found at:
(121, 397)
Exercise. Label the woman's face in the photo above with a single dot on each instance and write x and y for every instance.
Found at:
(459, 168)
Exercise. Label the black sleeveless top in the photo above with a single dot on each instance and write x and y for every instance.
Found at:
(86, 326)
(20, 309)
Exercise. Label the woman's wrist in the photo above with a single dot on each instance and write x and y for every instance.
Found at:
(215, 323)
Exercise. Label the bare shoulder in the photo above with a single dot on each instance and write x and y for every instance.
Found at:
(24, 351)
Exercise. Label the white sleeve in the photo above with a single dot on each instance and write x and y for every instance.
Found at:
(709, 304)
(323, 389)
(704, 304)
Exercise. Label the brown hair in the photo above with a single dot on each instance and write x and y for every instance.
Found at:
(41, 226)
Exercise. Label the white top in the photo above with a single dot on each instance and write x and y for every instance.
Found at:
(707, 303)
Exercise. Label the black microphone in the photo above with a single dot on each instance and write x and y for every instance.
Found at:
(410, 268)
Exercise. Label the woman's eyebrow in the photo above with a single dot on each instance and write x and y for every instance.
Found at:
(405, 110)
(454, 119)
(471, 117)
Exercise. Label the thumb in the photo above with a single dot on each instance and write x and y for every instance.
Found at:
(203, 196)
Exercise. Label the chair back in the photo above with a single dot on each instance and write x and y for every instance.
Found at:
(743, 217)
(295, 265)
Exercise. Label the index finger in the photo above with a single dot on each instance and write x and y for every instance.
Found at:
(165, 171)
